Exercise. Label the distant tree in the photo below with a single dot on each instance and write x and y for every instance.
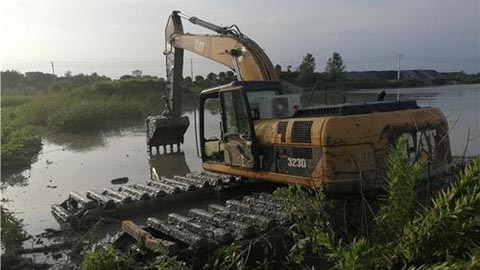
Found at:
(94, 76)
(222, 76)
(289, 68)
(211, 76)
(67, 74)
(126, 77)
(335, 67)
(38, 79)
(137, 73)
(11, 78)
(187, 79)
(230, 76)
(149, 77)
(278, 68)
(199, 78)
(306, 69)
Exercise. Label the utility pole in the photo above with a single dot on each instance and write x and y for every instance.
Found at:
(191, 70)
(53, 70)
(399, 57)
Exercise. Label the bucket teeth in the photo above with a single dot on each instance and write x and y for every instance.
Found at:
(164, 131)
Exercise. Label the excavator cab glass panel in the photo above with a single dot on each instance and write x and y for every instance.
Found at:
(238, 133)
(212, 129)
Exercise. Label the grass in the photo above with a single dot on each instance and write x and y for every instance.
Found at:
(93, 107)
(20, 144)
(64, 113)
(87, 107)
(105, 258)
(13, 236)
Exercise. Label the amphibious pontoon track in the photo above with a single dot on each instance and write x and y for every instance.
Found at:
(134, 199)
(194, 237)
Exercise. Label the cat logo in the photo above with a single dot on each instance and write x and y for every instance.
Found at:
(421, 146)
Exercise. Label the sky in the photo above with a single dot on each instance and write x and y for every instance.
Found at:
(114, 37)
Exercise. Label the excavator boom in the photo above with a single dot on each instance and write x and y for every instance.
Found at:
(228, 47)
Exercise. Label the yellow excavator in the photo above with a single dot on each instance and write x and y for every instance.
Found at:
(264, 134)
(252, 129)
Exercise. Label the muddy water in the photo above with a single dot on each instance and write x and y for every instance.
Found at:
(83, 162)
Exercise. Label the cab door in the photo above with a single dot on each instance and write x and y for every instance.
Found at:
(238, 132)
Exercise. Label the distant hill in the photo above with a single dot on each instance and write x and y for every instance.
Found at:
(416, 74)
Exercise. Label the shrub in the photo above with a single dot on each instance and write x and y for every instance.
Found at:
(13, 236)
(106, 258)
(19, 142)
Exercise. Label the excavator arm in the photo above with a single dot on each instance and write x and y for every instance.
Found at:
(228, 46)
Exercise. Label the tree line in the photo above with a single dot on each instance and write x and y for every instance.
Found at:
(304, 75)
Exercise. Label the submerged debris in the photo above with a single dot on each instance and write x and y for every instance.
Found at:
(119, 181)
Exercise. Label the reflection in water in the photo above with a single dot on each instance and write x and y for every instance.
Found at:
(77, 142)
(87, 141)
(168, 165)
(11, 178)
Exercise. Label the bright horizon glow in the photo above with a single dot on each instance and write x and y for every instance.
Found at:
(115, 37)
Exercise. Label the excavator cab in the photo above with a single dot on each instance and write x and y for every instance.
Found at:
(238, 133)
(227, 109)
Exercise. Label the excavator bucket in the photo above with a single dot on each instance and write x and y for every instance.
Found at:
(169, 128)
(163, 132)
